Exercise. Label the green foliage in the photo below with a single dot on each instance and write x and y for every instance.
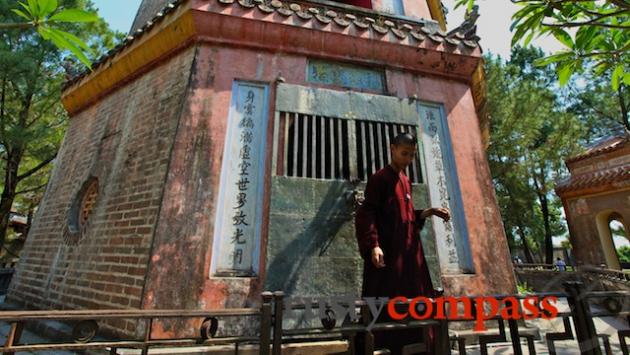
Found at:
(598, 106)
(523, 288)
(467, 3)
(595, 35)
(46, 16)
(601, 33)
(32, 119)
(624, 254)
(531, 134)
(566, 244)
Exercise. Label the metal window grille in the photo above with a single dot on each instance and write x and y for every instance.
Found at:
(322, 147)
(373, 152)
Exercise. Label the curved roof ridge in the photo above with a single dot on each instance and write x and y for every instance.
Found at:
(605, 145)
(323, 12)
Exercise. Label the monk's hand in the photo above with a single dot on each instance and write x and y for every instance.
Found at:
(377, 257)
(443, 213)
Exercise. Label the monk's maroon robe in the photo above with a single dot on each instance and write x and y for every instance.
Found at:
(387, 219)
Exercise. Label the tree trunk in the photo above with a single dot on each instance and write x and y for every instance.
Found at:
(544, 206)
(526, 250)
(16, 25)
(624, 109)
(14, 157)
(11, 175)
(541, 191)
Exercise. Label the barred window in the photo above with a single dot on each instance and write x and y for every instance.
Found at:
(81, 210)
(373, 151)
(314, 146)
(87, 205)
(320, 147)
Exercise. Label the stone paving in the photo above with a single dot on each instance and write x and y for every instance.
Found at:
(604, 325)
(29, 337)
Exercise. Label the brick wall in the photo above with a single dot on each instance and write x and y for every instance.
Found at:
(124, 140)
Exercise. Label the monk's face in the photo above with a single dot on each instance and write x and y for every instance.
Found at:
(402, 155)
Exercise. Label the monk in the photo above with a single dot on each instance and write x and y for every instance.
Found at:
(388, 234)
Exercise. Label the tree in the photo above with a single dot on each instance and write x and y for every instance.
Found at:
(624, 254)
(531, 133)
(45, 16)
(597, 105)
(595, 34)
(32, 119)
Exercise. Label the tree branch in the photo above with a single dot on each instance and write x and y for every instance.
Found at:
(624, 108)
(599, 14)
(16, 88)
(10, 251)
(602, 114)
(580, 24)
(3, 102)
(594, 54)
(550, 2)
(37, 168)
(16, 25)
(42, 111)
(620, 3)
(31, 189)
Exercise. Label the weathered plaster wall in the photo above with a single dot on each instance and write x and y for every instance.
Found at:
(491, 259)
(124, 140)
(184, 236)
(179, 275)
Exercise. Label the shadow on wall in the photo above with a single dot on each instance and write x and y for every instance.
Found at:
(311, 247)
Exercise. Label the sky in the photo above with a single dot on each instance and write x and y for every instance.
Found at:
(118, 13)
(493, 26)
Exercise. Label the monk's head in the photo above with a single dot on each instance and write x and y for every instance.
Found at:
(403, 148)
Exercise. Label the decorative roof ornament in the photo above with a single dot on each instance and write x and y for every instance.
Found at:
(468, 29)
(69, 65)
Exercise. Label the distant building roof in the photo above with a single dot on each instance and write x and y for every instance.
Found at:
(603, 173)
(16, 218)
(604, 146)
(596, 178)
